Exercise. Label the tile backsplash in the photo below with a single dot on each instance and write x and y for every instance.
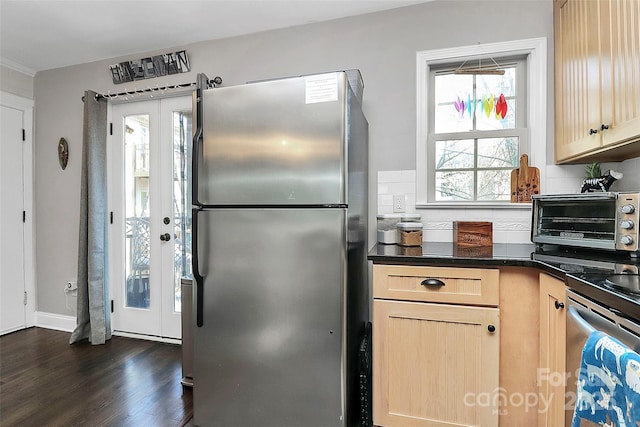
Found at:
(509, 225)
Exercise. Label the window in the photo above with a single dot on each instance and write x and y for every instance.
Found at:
(473, 126)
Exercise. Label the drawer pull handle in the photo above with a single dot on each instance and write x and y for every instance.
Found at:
(432, 282)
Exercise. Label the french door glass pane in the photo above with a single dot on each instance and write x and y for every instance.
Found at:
(181, 200)
(137, 214)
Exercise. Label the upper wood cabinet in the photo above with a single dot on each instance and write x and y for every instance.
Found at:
(597, 80)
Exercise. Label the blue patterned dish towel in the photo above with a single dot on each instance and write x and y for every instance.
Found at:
(608, 383)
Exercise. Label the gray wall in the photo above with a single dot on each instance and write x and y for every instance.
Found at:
(382, 45)
(16, 82)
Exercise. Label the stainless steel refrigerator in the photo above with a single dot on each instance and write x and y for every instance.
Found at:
(279, 252)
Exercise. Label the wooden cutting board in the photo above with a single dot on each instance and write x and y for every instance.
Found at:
(525, 181)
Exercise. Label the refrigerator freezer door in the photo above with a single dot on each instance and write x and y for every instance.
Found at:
(270, 351)
(279, 142)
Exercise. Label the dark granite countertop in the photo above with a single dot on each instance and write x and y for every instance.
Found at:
(443, 253)
(571, 266)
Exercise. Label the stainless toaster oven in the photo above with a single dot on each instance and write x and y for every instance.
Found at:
(600, 220)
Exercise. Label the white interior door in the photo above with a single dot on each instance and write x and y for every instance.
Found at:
(152, 219)
(17, 291)
(12, 313)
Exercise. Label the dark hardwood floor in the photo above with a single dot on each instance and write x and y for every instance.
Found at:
(44, 381)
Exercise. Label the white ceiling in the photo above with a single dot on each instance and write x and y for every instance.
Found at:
(39, 35)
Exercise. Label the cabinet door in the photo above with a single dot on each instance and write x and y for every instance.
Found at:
(621, 70)
(597, 89)
(577, 79)
(551, 375)
(435, 364)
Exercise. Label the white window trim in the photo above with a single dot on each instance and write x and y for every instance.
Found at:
(536, 51)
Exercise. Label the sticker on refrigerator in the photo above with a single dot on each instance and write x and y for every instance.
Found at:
(322, 88)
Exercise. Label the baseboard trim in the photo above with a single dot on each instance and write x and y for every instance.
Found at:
(148, 337)
(54, 321)
(63, 323)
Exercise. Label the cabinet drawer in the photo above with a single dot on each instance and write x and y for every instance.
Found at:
(477, 286)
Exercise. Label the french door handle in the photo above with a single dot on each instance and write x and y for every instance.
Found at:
(165, 237)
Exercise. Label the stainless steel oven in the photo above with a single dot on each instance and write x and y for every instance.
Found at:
(591, 220)
(584, 317)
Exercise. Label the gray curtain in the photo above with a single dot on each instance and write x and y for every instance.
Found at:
(93, 314)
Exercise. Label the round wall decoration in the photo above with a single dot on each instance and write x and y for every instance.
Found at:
(63, 153)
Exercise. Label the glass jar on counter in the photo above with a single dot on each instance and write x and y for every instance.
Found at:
(409, 233)
(387, 233)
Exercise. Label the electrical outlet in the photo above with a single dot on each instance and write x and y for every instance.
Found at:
(399, 203)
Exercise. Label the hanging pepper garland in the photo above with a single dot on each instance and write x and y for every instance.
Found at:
(501, 107)
(487, 104)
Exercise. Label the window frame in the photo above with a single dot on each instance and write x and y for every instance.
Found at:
(535, 51)
(519, 130)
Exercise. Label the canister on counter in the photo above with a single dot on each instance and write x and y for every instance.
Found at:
(410, 217)
(387, 228)
(409, 233)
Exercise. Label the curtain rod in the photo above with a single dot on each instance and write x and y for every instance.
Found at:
(216, 81)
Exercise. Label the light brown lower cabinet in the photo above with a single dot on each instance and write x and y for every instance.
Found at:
(467, 347)
(435, 364)
(552, 373)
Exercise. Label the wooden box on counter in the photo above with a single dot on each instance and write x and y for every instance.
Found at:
(472, 233)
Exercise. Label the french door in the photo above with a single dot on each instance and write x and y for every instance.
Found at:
(150, 242)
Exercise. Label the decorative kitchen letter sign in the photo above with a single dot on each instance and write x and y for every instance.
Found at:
(147, 68)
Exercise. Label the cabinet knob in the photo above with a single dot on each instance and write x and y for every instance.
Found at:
(559, 305)
(491, 328)
(604, 127)
(593, 131)
(165, 237)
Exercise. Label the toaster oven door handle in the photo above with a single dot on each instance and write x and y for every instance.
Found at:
(582, 196)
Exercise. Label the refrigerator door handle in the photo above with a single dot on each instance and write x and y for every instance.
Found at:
(202, 83)
(199, 280)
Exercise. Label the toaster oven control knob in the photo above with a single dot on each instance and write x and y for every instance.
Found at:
(626, 240)
(628, 209)
(627, 224)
